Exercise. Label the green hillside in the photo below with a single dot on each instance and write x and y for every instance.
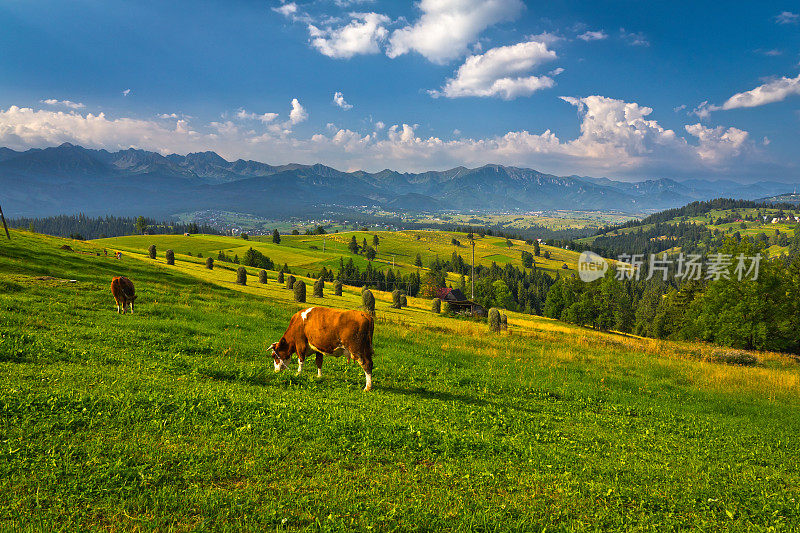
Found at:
(305, 253)
(172, 418)
(747, 222)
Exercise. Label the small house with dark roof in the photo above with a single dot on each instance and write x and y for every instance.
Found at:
(459, 302)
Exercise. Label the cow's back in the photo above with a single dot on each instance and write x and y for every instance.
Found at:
(122, 289)
(327, 329)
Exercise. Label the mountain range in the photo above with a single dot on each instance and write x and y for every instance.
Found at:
(69, 179)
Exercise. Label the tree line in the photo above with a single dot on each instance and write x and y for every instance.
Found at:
(83, 227)
(756, 312)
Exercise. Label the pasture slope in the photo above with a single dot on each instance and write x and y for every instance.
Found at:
(305, 253)
(172, 418)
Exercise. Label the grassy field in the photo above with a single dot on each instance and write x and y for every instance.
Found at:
(172, 418)
(308, 254)
(554, 220)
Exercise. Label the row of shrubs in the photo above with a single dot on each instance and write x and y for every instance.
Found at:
(497, 321)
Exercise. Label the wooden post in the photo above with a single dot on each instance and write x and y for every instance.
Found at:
(4, 224)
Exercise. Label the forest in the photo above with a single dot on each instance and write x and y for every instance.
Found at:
(759, 311)
(82, 227)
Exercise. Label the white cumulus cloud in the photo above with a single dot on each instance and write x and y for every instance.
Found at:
(362, 35)
(720, 143)
(446, 28)
(338, 99)
(298, 113)
(501, 72)
(598, 35)
(265, 117)
(768, 93)
(287, 10)
(616, 137)
(64, 103)
(787, 17)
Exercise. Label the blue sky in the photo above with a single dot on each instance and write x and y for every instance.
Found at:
(624, 89)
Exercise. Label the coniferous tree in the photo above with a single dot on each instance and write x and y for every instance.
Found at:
(353, 245)
(141, 225)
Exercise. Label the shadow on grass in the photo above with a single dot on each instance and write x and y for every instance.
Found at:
(268, 378)
(423, 393)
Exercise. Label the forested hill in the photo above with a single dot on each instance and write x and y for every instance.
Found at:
(84, 227)
(743, 289)
(697, 227)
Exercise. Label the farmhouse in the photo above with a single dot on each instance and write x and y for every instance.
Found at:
(459, 302)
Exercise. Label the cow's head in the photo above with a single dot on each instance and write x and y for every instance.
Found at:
(280, 353)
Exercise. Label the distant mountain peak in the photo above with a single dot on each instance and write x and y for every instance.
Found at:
(69, 178)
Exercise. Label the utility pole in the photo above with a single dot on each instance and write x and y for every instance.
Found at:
(4, 224)
(472, 277)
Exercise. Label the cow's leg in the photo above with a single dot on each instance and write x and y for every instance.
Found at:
(302, 349)
(318, 362)
(366, 364)
(131, 306)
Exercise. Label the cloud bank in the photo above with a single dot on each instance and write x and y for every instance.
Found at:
(616, 138)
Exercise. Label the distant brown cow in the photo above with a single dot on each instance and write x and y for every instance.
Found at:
(124, 293)
(327, 331)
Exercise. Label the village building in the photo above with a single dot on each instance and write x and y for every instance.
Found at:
(459, 303)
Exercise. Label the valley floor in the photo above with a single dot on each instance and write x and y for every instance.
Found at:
(173, 419)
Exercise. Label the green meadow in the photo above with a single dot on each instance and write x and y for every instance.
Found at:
(309, 253)
(172, 419)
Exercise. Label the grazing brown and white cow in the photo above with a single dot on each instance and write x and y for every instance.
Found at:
(327, 331)
(124, 293)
